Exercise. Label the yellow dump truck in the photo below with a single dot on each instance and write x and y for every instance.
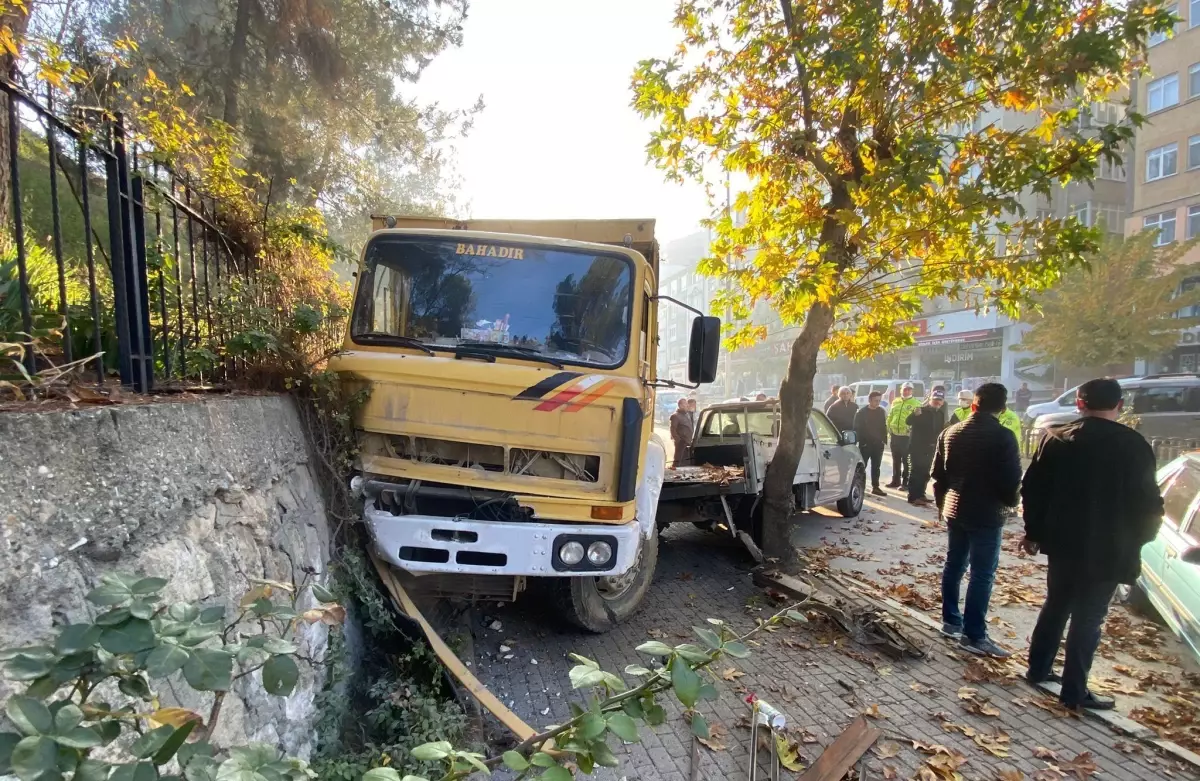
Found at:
(508, 432)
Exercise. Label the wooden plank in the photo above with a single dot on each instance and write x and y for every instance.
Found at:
(841, 755)
(472, 684)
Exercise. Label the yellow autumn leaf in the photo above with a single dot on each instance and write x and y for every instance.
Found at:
(176, 717)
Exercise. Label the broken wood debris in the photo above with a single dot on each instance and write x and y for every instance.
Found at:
(706, 473)
(871, 624)
(844, 752)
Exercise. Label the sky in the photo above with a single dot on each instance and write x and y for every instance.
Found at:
(558, 138)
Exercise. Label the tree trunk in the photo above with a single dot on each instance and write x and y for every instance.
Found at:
(17, 21)
(237, 61)
(795, 402)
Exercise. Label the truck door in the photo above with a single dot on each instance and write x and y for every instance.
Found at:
(835, 477)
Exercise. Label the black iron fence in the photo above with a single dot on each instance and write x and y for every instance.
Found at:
(112, 263)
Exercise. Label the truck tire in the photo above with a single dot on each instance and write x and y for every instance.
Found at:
(852, 504)
(599, 604)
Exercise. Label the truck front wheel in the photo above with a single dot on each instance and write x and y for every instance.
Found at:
(599, 604)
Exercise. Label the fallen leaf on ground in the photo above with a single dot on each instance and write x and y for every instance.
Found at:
(887, 749)
(716, 737)
(930, 748)
(890, 773)
(1081, 766)
(789, 753)
(995, 744)
(921, 688)
(874, 712)
(1041, 752)
(732, 674)
(977, 703)
(1010, 774)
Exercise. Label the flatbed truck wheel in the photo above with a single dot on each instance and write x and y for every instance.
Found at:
(852, 505)
(599, 604)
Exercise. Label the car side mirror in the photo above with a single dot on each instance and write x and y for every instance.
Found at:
(849, 438)
(1191, 555)
(704, 349)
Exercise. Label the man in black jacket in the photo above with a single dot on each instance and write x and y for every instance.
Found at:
(1091, 502)
(927, 423)
(870, 425)
(976, 474)
(841, 412)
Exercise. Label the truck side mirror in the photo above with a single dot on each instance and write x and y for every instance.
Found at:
(704, 349)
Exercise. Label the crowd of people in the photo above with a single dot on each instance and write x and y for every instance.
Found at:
(1089, 498)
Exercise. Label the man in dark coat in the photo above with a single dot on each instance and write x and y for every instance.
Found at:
(682, 428)
(832, 398)
(841, 413)
(870, 426)
(976, 474)
(1091, 502)
(927, 423)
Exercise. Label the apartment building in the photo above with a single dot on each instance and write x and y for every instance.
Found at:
(1166, 184)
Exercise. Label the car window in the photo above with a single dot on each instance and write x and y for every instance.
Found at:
(827, 433)
(881, 388)
(1152, 399)
(1180, 490)
(919, 389)
(761, 422)
(724, 423)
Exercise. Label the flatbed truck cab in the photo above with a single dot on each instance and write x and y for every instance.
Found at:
(508, 430)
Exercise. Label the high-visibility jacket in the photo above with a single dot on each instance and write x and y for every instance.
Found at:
(897, 419)
(961, 414)
(1011, 421)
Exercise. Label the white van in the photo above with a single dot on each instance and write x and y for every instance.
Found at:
(889, 388)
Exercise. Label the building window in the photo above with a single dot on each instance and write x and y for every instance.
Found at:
(1193, 223)
(1161, 162)
(1165, 223)
(1194, 152)
(1162, 93)
(1194, 13)
(1111, 170)
(1045, 214)
(1157, 38)
(1107, 215)
(1194, 81)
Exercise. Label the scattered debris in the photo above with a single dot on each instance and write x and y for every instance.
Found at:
(843, 753)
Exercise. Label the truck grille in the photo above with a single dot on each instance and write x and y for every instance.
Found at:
(548, 464)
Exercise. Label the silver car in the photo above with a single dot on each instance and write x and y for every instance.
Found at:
(1159, 406)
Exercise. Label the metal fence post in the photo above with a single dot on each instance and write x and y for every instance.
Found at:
(128, 270)
(14, 173)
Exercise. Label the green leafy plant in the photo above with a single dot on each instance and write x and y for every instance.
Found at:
(65, 729)
(611, 709)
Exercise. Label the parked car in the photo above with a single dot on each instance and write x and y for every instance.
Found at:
(889, 388)
(1062, 403)
(1158, 406)
(1170, 579)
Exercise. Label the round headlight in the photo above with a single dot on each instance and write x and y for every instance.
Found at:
(599, 553)
(571, 553)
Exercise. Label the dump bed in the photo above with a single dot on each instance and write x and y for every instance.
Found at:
(635, 233)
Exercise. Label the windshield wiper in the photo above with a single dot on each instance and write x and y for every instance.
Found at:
(394, 339)
(524, 352)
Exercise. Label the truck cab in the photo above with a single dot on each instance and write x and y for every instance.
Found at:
(508, 430)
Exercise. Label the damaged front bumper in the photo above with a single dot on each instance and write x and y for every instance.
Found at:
(429, 543)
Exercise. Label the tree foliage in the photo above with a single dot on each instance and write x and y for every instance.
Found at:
(876, 178)
(1122, 306)
(313, 89)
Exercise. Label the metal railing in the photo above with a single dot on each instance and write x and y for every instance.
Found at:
(152, 273)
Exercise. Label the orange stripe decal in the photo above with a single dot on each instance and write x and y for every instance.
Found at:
(591, 396)
(559, 399)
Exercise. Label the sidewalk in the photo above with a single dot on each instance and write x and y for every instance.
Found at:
(942, 718)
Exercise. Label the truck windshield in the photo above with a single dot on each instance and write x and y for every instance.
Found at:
(568, 305)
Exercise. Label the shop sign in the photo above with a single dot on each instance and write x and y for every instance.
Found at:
(979, 340)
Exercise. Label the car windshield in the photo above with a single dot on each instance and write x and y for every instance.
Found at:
(505, 297)
(735, 422)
